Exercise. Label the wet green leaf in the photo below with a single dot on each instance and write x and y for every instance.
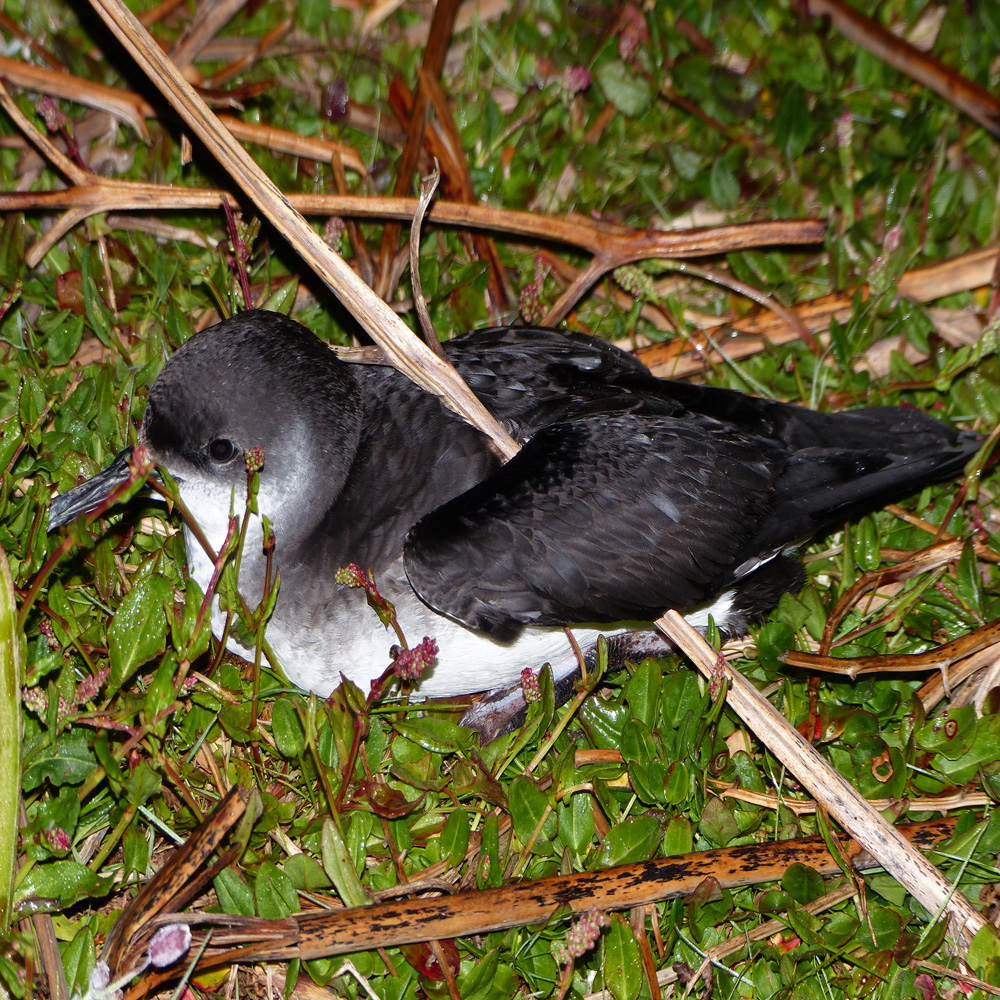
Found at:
(629, 92)
(139, 629)
(274, 892)
(634, 839)
(287, 729)
(643, 692)
(529, 807)
(802, 883)
(234, 894)
(63, 882)
(339, 868)
(621, 962)
(68, 762)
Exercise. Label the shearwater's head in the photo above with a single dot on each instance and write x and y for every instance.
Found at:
(255, 380)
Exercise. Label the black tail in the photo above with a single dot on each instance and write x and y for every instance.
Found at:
(844, 464)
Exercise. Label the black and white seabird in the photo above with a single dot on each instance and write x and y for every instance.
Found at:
(631, 495)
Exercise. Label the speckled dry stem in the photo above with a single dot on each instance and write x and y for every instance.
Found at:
(321, 933)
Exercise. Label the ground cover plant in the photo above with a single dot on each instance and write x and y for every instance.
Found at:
(131, 726)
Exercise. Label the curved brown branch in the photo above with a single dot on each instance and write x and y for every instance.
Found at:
(628, 245)
(939, 658)
(134, 110)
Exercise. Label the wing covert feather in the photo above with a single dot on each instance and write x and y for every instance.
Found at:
(604, 518)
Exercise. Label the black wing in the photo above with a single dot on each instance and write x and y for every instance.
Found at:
(605, 518)
(529, 377)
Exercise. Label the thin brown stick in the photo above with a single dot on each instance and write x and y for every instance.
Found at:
(283, 141)
(979, 104)
(133, 109)
(102, 194)
(244, 62)
(171, 880)
(751, 334)
(362, 256)
(923, 561)
(442, 23)
(428, 187)
(940, 658)
(70, 170)
(444, 141)
(124, 105)
(211, 17)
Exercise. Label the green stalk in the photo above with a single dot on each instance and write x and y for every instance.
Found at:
(10, 738)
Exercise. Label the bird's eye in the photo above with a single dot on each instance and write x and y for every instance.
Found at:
(221, 450)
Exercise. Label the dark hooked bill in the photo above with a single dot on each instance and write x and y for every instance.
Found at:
(90, 495)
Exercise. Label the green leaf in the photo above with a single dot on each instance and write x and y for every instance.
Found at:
(68, 762)
(189, 638)
(491, 854)
(865, 545)
(839, 929)
(678, 838)
(64, 341)
(718, 824)
(649, 778)
(967, 576)
(142, 784)
(135, 849)
(63, 881)
(886, 925)
(234, 894)
(602, 721)
(951, 733)
(160, 694)
(139, 629)
(724, 186)
(576, 823)
(622, 962)
(435, 735)
(11, 729)
(637, 742)
(62, 812)
(79, 958)
(338, 866)
(636, 838)
(642, 692)
(802, 883)
(306, 873)
(286, 728)
(983, 949)
(629, 93)
(481, 978)
(275, 893)
(455, 837)
(679, 695)
(793, 125)
(528, 806)
(282, 298)
(773, 641)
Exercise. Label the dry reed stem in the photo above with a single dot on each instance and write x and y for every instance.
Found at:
(404, 350)
(843, 802)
